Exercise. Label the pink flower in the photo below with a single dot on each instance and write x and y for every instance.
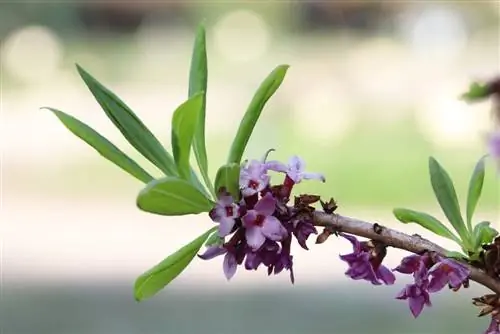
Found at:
(253, 178)
(225, 213)
(295, 170)
(260, 224)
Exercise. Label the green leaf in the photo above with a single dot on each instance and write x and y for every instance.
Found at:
(102, 145)
(171, 196)
(483, 234)
(475, 189)
(228, 176)
(447, 198)
(267, 88)
(198, 75)
(184, 122)
(132, 128)
(155, 279)
(425, 220)
(214, 240)
(477, 92)
(455, 255)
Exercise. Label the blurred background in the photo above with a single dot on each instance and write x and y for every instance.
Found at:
(370, 95)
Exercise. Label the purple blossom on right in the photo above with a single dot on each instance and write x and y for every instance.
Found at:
(494, 147)
(366, 264)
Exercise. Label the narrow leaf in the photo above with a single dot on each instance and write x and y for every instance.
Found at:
(447, 198)
(155, 279)
(247, 124)
(475, 189)
(228, 176)
(456, 255)
(107, 149)
(477, 92)
(214, 240)
(426, 221)
(483, 234)
(184, 122)
(198, 75)
(171, 196)
(132, 128)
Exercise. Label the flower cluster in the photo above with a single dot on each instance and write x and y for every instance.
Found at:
(259, 224)
(365, 262)
(494, 147)
(431, 273)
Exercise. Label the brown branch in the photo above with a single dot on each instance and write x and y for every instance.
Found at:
(393, 238)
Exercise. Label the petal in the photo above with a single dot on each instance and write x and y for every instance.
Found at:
(356, 245)
(385, 275)
(225, 201)
(226, 226)
(313, 176)
(229, 265)
(296, 164)
(273, 229)
(254, 237)
(416, 305)
(266, 205)
(249, 218)
(438, 281)
(212, 252)
(276, 166)
(402, 294)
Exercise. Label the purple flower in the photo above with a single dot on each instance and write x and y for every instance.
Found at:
(493, 328)
(416, 265)
(447, 271)
(229, 264)
(225, 213)
(260, 224)
(295, 170)
(364, 265)
(302, 230)
(266, 255)
(494, 146)
(417, 296)
(253, 178)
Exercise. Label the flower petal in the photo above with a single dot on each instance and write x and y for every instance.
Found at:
(229, 265)
(276, 166)
(438, 281)
(254, 237)
(249, 218)
(273, 229)
(212, 252)
(383, 273)
(313, 176)
(266, 205)
(416, 305)
(356, 245)
(226, 226)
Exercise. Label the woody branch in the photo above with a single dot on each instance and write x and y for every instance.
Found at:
(412, 243)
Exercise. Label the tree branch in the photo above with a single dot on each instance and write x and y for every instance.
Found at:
(393, 238)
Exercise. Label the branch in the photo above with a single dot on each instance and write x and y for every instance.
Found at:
(415, 244)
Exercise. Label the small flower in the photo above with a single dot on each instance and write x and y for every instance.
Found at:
(260, 224)
(225, 213)
(302, 229)
(253, 178)
(494, 327)
(266, 255)
(417, 296)
(494, 146)
(366, 264)
(447, 271)
(295, 170)
(416, 265)
(229, 264)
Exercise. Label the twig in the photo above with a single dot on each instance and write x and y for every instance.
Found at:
(393, 238)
